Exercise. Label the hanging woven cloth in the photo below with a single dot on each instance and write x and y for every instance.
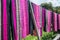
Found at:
(48, 20)
(58, 21)
(38, 18)
(43, 17)
(24, 19)
(9, 18)
(4, 21)
(55, 21)
(14, 21)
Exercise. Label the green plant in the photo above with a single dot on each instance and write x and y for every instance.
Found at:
(48, 35)
(45, 36)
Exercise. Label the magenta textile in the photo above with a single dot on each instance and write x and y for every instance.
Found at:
(24, 19)
(55, 21)
(38, 18)
(48, 20)
(14, 19)
(5, 27)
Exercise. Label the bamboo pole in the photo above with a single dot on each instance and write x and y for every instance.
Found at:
(32, 14)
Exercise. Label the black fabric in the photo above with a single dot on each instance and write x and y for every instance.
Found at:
(1, 19)
(10, 22)
(45, 21)
(31, 24)
(8, 14)
(12, 25)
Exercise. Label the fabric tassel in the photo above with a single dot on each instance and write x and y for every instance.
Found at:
(24, 19)
(48, 21)
(14, 19)
(4, 21)
(38, 17)
(55, 21)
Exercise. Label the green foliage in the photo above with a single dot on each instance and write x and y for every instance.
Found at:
(29, 37)
(50, 7)
(48, 35)
(47, 6)
(45, 36)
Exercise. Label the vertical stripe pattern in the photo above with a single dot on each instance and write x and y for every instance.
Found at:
(24, 17)
(38, 18)
(55, 21)
(18, 19)
(48, 21)
(14, 19)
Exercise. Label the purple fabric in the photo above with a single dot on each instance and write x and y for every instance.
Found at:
(24, 19)
(48, 20)
(43, 14)
(14, 19)
(37, 16)
(59, 21)
(5, 34)
(55, 21)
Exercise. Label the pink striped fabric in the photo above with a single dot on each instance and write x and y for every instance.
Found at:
(24, 19)
(14, 19)
(38, 18)
(5, 27)
(55, 21)
(48, 20)
(59, 21)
